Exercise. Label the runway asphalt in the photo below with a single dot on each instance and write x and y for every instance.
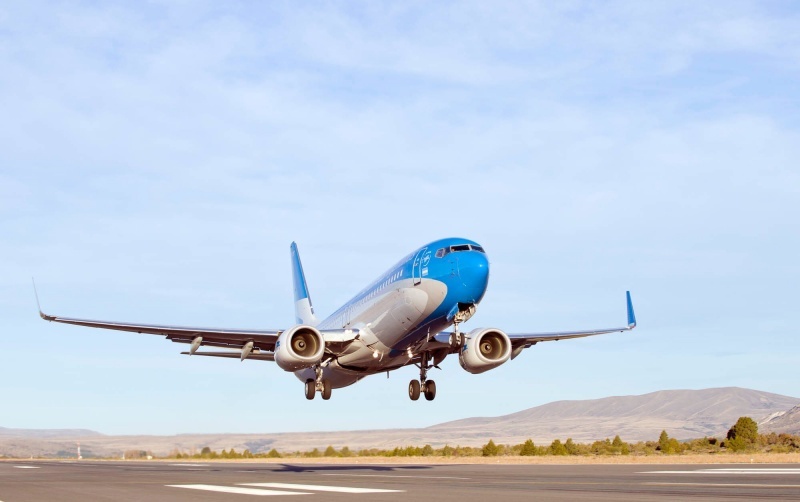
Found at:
(137, 481)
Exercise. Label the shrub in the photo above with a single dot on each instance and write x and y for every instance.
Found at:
(490, 449)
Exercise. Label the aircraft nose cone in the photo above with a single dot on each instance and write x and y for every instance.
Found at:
(474, 272)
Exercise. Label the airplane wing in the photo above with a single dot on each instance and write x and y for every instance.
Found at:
(213, 337)
(257, 344)
(521, 341)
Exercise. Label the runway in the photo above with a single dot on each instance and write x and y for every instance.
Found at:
(234, 482)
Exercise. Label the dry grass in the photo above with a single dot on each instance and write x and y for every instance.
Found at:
(721, 458)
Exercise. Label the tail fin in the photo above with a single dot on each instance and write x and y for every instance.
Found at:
(303, 310)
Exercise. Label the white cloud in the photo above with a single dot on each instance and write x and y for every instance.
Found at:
(172, 151)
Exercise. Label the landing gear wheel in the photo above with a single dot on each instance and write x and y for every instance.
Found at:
(311, 389)
(430, 390)
(326, 390)
(413, 390)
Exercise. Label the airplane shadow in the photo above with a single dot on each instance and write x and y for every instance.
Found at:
(365, 467)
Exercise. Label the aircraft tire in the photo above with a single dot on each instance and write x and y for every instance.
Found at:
(430, 390)
(310, 389)
(413, 390)
(326, 390)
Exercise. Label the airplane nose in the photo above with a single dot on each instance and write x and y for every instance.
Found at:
(474, 273)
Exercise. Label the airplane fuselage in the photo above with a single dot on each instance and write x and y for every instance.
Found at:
(413, 301)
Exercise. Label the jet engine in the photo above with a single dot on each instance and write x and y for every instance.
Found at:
(484, 349)
(298, 348)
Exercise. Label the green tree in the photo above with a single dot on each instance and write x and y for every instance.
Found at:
(330, 451)
(663, 442)
(490, 449)
(345, 452)
(205, 452)
(571, 447)
(528, 448)
(273, 453)
(620, 447)
(556, 448)
(447, 451)
(745, 429)
(427, 451)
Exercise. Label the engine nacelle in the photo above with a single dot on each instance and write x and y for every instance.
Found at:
(484, 349)
(298, 348)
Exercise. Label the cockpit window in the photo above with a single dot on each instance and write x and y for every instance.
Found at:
(441, 252)
(478, 249)
(460, 247)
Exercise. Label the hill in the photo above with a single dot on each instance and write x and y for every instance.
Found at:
(47, 433)
(786, 421)
(685, 414)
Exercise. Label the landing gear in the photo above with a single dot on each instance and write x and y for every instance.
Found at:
(423, 385)
(413, 390)
(319, 384)
(430, 390)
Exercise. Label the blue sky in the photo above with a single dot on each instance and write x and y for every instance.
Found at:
(156, 160)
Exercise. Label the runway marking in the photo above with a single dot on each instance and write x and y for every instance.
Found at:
(394, 476)
(237, 490)
(729, 485)
(733, 471)
(321, 488)
(26, 467)
(189, 465)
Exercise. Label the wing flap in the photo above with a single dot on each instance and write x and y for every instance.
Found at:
(258, 356)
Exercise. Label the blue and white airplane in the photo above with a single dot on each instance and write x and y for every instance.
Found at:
(396, 321)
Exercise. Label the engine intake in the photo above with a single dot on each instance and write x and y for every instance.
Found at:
(485, 349)
(298, 348)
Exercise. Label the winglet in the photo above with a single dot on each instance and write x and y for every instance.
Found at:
(38, 305)
(631, 315)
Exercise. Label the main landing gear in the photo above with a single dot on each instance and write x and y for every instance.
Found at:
(423, 385)
(320, 384)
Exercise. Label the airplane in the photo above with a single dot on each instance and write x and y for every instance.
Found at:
(398, 320)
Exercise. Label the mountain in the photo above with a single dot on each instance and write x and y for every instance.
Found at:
(684, 414)
(47, 433)
(786, 421)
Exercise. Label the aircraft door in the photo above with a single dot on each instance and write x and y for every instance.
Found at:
(416, 269)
